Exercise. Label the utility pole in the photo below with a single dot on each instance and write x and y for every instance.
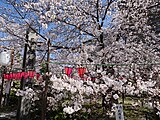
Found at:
(19, 115)
(32, 37)
(44, 97)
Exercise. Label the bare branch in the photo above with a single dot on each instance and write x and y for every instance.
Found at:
(108, 5)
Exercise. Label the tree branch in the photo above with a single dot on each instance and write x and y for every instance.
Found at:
(97, 6)
(78, 27)
(108, 5)
(28, 23)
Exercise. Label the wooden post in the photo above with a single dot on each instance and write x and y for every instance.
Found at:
(44, 97)
(1, 93)
(19, 112)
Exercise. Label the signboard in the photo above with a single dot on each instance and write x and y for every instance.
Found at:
(4, 58)
(119, 112)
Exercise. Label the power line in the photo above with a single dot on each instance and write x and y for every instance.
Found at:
(81, 64)
(107, 64)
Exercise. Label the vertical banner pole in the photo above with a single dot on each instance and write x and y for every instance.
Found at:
(19, 111)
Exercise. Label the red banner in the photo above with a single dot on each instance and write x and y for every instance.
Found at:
(19, 75)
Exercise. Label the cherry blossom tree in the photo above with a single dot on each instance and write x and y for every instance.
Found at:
(101, 35)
